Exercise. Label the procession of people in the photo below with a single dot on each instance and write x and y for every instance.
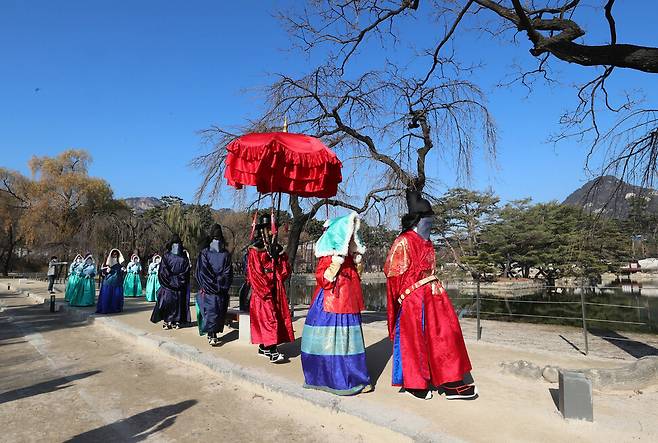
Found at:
(428, 352)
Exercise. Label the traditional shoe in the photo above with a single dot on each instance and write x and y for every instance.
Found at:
(166, 325)
(264, 352)
(463, 392)
(419, 394)
(276, 357)
(176, 325)
(213, 341)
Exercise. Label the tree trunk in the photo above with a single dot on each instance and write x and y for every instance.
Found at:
(508, 267)
(6, 266)
(298, 223)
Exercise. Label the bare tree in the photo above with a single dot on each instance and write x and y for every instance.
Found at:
(628, 147)
(387, 123)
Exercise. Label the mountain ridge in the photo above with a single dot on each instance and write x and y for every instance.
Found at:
(611, 197)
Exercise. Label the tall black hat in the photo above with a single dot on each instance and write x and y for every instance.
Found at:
(264, 221)
(418, 205)
(174, 239)
(216, 232)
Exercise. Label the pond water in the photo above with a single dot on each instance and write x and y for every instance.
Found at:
(627, 307)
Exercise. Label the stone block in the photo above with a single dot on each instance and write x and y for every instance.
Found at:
(244, 328)
(575, 396)
(550, 374)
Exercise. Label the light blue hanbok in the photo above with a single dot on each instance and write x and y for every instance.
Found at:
(132, 283)
(153, 283)
(74, 277)
(85, 292)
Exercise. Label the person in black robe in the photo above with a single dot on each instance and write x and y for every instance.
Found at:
(214, 274)
(173, 304)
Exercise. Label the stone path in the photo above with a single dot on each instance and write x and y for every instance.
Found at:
(62, 380)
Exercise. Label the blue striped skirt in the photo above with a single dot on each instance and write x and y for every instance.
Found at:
(333, 351)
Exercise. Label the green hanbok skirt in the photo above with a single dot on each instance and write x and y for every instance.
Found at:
(152, 286)
(85, 293)
(132, 285)
(71, 286)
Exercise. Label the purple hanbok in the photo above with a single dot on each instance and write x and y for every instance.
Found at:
(110, 297)
(214, 276)
(173, 304)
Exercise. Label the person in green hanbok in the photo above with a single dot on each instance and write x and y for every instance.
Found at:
(132, 284)
(74, 277)
(152, 283)
(85, 293)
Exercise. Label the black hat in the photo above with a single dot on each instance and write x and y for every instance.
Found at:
(174, 239)
(418, 205)
(264, 221)
(216, 232)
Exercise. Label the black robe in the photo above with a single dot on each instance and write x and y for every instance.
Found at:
(214, 274)
(173, 304)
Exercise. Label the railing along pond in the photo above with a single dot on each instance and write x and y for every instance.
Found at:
(582, 304)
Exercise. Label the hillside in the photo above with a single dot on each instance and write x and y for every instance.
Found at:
(611, 197)
(141, 204)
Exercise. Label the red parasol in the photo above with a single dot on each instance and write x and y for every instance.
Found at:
(283, 162)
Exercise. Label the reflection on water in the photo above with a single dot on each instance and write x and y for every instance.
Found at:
(627, 307)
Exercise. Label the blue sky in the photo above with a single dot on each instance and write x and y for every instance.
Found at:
(133, 81)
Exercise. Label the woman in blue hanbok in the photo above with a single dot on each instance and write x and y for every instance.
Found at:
(85, 293)
(214, 275)
(173, 304)
(152, 283)
(110, 297)
(132, 283)
(74, 277)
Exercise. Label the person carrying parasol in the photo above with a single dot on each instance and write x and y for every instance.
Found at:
(267, 271)
(275, 163)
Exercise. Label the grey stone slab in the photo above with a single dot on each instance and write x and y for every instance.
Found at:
(575, 396)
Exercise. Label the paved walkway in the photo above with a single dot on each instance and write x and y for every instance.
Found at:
(509, 408)
(62, 380)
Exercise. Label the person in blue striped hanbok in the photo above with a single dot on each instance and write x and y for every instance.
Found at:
(333, 349)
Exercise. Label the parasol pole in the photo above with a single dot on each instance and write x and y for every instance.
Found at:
(291, 305)
(255, 220)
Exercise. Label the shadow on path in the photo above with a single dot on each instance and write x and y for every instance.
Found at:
(377, 357)
(42, 388)
(572, 344)
(293, 349)
(633, 347)
(137, 427)
(555, 395)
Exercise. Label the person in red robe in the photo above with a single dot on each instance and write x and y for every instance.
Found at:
(267, 270)
(428, 346)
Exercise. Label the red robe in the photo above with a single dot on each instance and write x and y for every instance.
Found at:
(431, 345)
(270, 316)
(343, 295)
